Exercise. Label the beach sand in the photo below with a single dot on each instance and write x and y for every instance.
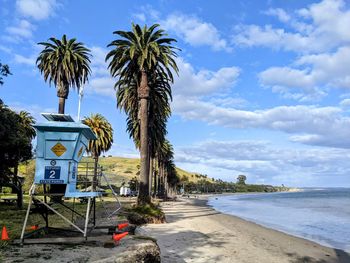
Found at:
(195, 232)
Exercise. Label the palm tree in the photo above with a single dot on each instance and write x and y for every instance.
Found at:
(27, 122)
(159, 112)
(165, 156)
(135, 57)
(104, 133)
(65, 63)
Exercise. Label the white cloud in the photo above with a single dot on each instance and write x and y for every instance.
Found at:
(322, 126)
(30, 61)
(195, 31)
(98, 65)
(100, 82)
(345, 103)
(253, 35)
(23, 29)
(36, 9)
(314, 74)
(102, 86)
(263, 162)
(140, 16)
(317, 28)
(204, 82)
(279, 13)
(5, 49)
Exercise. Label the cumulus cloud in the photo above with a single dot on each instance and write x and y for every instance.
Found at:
(203, 82)
(195, 31)
(30, 61)
(279, 13)
(22, 29)
(265, 163)
(322, 126)
(100, 82)
(311, 75)
(345, 103)
(317, 28)
(36, 9)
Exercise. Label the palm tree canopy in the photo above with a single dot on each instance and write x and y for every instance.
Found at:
(142, 49)
(65, 63)
(27, 122)
(103, 131)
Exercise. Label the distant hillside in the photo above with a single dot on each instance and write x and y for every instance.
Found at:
(118, 169)
(122, 169)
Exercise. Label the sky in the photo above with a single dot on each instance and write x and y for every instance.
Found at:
(263, 86)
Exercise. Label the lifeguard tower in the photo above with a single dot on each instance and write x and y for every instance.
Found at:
(61, 143)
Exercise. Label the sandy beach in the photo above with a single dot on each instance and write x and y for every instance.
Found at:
(195, 232)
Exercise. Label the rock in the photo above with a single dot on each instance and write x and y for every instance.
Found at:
(145, 252)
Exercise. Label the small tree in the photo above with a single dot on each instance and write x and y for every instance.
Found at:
(104, 133)
(241, 179)
(16, 134)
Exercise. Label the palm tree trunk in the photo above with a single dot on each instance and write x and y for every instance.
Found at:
(143, 94)
(155, 181)
(61, 105)
(150, 175)
(94, 181)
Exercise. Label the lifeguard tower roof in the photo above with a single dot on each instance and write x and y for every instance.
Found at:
(62, 123)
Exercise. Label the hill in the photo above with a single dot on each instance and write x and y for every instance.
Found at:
(121, 169)
(118, 169)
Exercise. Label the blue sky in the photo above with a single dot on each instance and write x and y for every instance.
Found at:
(263, 87)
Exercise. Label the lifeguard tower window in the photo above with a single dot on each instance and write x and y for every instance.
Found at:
(57, 117)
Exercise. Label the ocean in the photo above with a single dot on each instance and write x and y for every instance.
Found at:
(320, 215)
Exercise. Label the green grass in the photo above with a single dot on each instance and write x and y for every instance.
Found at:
(13, 218)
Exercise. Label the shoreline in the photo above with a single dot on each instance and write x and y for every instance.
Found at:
(265, 225)
(196, 232)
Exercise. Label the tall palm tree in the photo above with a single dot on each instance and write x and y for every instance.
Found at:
(165, 156)
(104, 133)
(159, 112)
(65, 63)
(135, 56)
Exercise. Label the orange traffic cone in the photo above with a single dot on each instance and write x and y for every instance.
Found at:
(4, 235)
(121, 226)
(118, 237)
(35, 227)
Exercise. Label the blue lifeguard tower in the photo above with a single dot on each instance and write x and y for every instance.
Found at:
(61, 144)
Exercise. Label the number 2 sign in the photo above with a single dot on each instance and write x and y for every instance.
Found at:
(52, 172)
